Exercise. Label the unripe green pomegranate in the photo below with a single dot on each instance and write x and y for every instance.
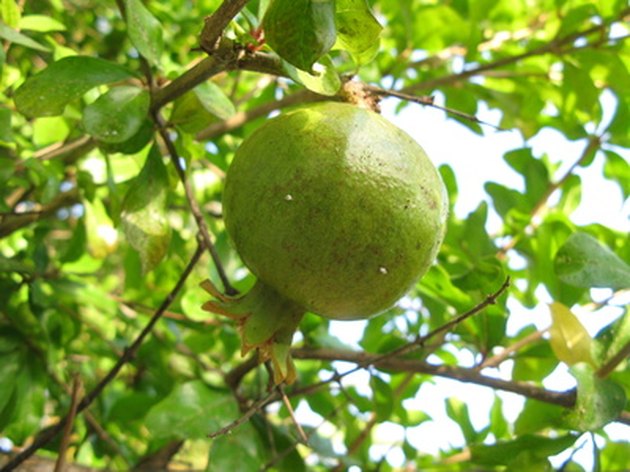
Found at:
(337, 212)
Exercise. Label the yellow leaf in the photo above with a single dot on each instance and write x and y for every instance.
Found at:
(569, 340)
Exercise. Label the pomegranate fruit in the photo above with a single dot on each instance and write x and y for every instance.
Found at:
(336, 211)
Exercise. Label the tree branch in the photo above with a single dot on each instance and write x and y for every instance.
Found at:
(48, 434)
(70, 150)
(215, 24)
(12, 222)
(553, 46)
(194, 76)
(396, 364)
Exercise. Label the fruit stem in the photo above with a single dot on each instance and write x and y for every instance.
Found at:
(266, 321)
(359, 94)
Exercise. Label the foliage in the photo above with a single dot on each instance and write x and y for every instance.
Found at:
(117, 124)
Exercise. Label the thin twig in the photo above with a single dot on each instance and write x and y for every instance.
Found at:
(508, 351)
(445, 328)
(253, 409)
(77, 386)
(287, 404)
(429, 101)
(281, 455)
(48, 434)
(194, 206)
(78, 146)
(593, 144)
(614, 361)
(12, 222)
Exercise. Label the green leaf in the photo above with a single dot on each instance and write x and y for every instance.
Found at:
(131, 407)
(534, 173)
(50, 129)
(145, 31)
(275, 438)
(28, 408)
(189, 115)
(599, 401)
(614, 456)
(10, 13)
(117, 115)
(191, 411)
(537, 416)
(16, 37)
(568, 338)
(575, 18)
(240, 451)
(214, 100)
(499, 425)
(144, 217)
(59, 328)
(534, 362)
(458, 412)
(583, 262)
(477, 242)
(48, 92)
(580, 93)
(618, 127)
(300, 31)
(41, 23)
(536, 447)
(382, 397)
(358, 32)
(9, 368)
(504, 199)
(325, 81)
(135, 143)
(619, 338)
(617, 169)
(6, 134)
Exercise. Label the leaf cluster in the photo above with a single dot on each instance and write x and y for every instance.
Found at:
(116, 130)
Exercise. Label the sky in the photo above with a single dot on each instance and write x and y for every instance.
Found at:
(475, 160)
